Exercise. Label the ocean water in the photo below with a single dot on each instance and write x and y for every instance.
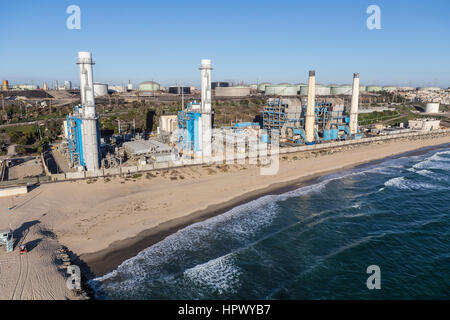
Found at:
(315, 242)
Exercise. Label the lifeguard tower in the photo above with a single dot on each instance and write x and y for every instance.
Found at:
(6, 238)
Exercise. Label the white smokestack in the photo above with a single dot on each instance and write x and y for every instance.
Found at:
(89, 118)
(206, 108)
(310, 109)
(354, 107)
(86, 83)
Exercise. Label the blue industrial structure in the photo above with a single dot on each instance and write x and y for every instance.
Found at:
(329, 124)
(75, 137)
(241, 125)
(189, 121)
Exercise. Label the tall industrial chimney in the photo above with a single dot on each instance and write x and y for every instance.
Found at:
(354, 107)
(310, 109)
(89, 116)
(206, 108)
(86, 83)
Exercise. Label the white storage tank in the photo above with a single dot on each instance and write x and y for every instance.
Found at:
(118, 89)
(322, 90)
(238, 91)
(100, 89)
(341, 90)
(432, 107)
(390, 88)
(149, 86)
(299, 87)
(281, 90)
(303, 89)
(374, 88)
(262, 86)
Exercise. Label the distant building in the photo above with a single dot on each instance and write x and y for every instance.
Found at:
(432, 107)
(117, 89)
(25, 87)
(67, 85)
(424, 124)
(220, 84)
(5, 85)
(179, 90)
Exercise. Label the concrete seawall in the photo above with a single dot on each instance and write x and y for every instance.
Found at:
(14, 191)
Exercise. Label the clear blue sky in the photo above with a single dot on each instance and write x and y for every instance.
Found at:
(277, 41)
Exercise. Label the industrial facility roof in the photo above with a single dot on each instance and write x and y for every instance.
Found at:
(140, 147)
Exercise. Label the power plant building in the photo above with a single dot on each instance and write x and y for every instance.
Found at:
(195, 121)
(82, 126)
(314, 123)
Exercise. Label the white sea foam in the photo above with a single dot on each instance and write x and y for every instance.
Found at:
(220, 275)
(405, 184)
(425, 173)
(398, 182)
(357, 206)
(436, 161)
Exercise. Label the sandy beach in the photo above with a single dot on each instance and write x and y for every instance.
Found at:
(105, 221)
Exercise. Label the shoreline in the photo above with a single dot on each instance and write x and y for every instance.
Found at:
(102, 262)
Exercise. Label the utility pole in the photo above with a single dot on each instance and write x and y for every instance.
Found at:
(182, 97)
(3, 106)
(39, 129)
